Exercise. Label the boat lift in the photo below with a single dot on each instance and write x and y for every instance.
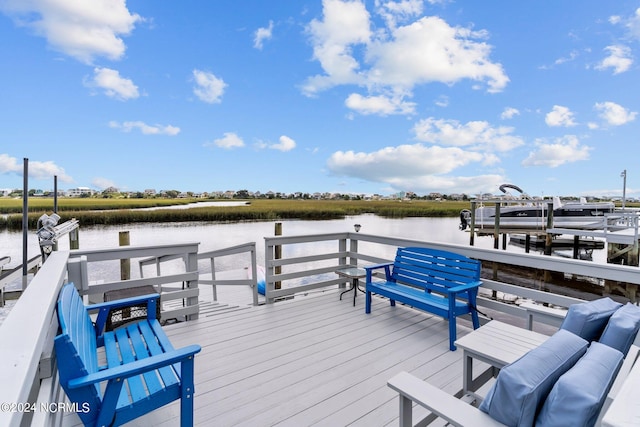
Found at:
(49, 231)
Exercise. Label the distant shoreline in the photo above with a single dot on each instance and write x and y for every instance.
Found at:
(128, 211)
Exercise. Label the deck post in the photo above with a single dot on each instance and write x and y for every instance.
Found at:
(472, 232)
(74, 237)
(496, 227)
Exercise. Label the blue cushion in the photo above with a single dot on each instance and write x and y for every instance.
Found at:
(522, 386)
(578, 396)
(622, 328)
(588, 319)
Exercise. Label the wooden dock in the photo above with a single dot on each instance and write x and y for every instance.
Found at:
(313, 360)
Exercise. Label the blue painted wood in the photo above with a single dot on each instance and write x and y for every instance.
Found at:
(439, 282)
(143, 371)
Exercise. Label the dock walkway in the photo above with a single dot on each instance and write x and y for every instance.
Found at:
(314, 360)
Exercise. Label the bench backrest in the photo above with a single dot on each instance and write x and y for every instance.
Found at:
(76, 347)
(433, 269)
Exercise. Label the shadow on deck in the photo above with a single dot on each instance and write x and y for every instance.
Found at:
(314, 360)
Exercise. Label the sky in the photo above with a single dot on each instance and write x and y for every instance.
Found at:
(346, 96)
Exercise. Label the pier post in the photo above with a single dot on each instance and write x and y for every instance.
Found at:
(74, 237)
(125, 264)
(278, 253)
(496, 227)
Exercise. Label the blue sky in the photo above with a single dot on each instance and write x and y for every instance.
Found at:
(331, 96)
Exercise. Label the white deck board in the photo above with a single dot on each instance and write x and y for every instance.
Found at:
(314, 360)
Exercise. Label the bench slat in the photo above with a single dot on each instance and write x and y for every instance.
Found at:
(126, 352)
(168, 374)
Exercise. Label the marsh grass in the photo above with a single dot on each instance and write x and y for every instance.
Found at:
(122, 211)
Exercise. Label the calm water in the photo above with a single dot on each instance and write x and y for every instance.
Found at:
(221, 235)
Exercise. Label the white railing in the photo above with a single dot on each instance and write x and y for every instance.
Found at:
(187, 292)
(26, 337)
(13, 275)
(241, 250)
(364, 248)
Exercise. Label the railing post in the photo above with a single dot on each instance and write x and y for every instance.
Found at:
(353, 249)
(191, 264)
(268, 260)
(278, 253)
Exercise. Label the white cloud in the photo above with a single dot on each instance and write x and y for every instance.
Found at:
(614, 114)
(564, 150)
(78, 28)
(229, 141)
(37, 170)
(632, 23)
(209, 88)
(381, 105)
(285, 144)
(619, 59)
(396, 58)
(145, 128)
(559, 116)
(474, 135)
(345, 24)
(113, 85)
(262, 34)
(414, 167)
(399, 11)
(509, 113)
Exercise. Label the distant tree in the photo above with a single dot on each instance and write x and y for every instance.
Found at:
(241, 194)
(172, 194)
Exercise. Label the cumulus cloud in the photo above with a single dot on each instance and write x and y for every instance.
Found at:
(474, 135)
(285, 144)
(209, 88)
(380, 105)
(414, 166)
(229, 141)
(564, 150)
(145, 128)
(614, 114)
(37, 169)
(619, 59)
(559, 116)
(631, 23)
(397, 57)
(113, 85)
(83, 30)
(509, 113)
(261, 35)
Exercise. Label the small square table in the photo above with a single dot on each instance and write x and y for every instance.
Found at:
(496, 344)
(353, 273)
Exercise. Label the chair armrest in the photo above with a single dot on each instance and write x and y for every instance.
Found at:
(369, 269)
(150, 300)
(136, 368)
(465, 287)
(444, 405)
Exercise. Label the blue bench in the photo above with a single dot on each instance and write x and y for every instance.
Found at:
(142, 373)
(439, 282)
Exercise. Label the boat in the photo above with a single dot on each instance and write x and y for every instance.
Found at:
(524, 212)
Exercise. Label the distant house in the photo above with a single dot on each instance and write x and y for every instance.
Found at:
(150, 192)
(79, 192)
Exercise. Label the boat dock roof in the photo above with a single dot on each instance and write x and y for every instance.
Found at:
(314, 360)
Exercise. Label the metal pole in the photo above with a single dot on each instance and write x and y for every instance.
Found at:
(624, 187)
(55, 194)
(25, 220)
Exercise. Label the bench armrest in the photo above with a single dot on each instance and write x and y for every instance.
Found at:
(465, 287)
(150, 300)
(136, 368)
(369, 269)
(454, 411)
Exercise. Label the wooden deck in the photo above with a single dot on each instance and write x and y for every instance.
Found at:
(313, 360)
